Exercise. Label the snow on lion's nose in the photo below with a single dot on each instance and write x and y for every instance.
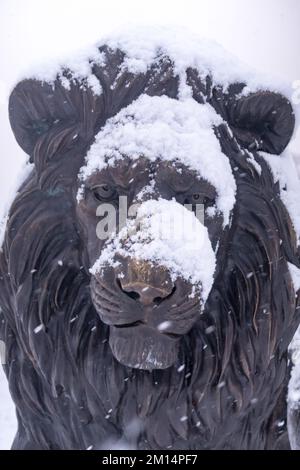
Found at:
(170, 237)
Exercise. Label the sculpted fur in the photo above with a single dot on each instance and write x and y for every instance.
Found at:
(223, 374)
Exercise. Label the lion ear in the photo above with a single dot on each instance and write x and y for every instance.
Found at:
(262, 121)
(33, 110)
(35, 107)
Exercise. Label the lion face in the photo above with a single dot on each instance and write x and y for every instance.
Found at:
(148, 310)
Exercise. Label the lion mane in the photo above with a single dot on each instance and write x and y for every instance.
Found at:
(69, 390)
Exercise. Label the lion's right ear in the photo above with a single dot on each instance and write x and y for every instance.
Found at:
(35, 107)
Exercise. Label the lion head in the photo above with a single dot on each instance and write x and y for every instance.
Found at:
(187, 337)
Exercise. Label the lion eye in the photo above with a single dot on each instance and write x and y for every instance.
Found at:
(103, 192)
(198, 198)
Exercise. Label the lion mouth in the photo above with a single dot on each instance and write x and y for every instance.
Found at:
(139, 346)
(130, 325)
(139, 322)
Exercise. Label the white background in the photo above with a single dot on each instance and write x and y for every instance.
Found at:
(264, 33)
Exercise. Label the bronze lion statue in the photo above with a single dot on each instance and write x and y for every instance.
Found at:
(106, 344)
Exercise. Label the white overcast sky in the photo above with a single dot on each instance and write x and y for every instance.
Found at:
(264, 33)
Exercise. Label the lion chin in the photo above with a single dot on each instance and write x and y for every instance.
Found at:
(143, 347)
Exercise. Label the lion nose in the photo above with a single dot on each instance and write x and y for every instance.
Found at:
(145, 293)
(146, 283)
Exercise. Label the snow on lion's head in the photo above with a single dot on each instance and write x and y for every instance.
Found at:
(176, 316)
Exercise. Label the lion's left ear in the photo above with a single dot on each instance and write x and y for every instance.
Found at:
(262, 121)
